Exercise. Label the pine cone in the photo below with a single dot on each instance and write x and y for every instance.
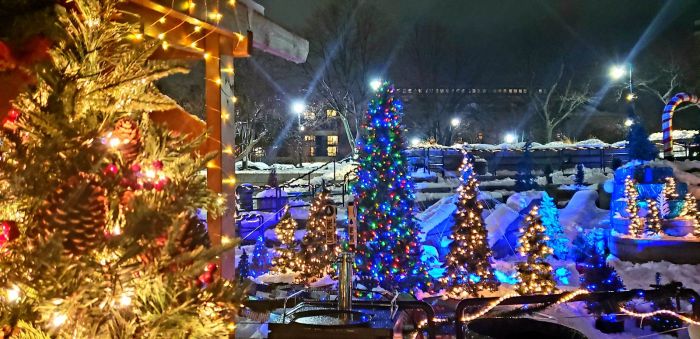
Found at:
(127, 130)
(78, 209)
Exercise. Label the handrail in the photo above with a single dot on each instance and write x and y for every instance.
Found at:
(263, 224)
(313, 171)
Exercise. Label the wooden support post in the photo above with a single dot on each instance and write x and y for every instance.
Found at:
(228, 164)
(212, 107)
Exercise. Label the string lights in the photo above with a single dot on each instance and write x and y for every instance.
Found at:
(535, 274)
(660, 312)
(653, 221)
(636, 225)
(468, 264)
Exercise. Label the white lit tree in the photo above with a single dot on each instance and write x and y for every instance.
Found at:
(535, 274)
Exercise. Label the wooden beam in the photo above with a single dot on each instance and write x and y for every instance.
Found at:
(212, 102)
(228, 164)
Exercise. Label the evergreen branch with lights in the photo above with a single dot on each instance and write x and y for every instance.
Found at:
(535, 274)
(100, 232)
(317, 255)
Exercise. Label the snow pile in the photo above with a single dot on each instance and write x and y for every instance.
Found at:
(642, 275)
(581, 211)
(280, 278)
(341, 170)
(498, 182)
(252, 165)
(436, 214)
(687, 172)
(519, 201)
(498, 221)
(677, 134)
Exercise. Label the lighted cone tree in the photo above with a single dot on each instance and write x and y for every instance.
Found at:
(653, 221)
(535, 274)
(554, 230)
(636, 224)
(316, 255)
(388, 252)
(286, 260)
(105, 242)
(468, 268)
(690, 211)
(670, 190)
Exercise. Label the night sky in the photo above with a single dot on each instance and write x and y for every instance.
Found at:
(594, 31)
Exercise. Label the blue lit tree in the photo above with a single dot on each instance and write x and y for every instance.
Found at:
(243, 266)
(638, 144)
(524, 180)
(468, 269)
(549, 213)
(388, 251)
(260, 262)
(580, 175)
(598, 276)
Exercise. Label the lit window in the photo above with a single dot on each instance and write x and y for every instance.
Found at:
(312, 151)
(309, 138)
(330, 113)
(332, 140)
(332, 151)
(259, 152)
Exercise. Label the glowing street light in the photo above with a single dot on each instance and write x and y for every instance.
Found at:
(509, 138)
(629, 122)
(375, 84)
(415, 142)
(616, 72)
(298, 107)
(455, 122)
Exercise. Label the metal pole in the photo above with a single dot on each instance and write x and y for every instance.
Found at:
(345, 281)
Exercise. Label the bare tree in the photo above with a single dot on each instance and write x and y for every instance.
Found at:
(345, 44)
(560, 100)
(666, 80)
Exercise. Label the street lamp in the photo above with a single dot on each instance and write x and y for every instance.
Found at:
(509, 138)
(298, 107)
(616, 72)
(455, 122)
(629, 122)
(375, 84)
(415, 141)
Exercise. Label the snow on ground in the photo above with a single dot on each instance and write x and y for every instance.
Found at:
(642, 275)
(497, 222)
(677, 134)
(581, 211)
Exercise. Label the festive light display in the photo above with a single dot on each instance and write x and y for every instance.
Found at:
(243, 266)
(316, 255)
(667, 120)
(643, 315)
(524, 180)
(468, 268)
(286, 259)
(653, 221)
(388, 252)
(554, 230)
(690, 211)
(636, 225)
(670, 191)
(580, 175)
(259, 261)
(598, 276)
(100, 241)
(535, 274)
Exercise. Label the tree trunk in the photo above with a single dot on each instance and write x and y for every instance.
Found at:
(348, 134)
(549, 130)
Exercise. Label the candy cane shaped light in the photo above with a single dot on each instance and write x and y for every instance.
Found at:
(667, 120)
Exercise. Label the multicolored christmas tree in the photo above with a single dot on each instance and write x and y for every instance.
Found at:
(468, 268)
(636, 224)
(317, 255)
(103, 239)
(535, 274)
(286, 260)
(388, 251)
(554, 230)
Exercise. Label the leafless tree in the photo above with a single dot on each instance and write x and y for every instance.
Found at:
(665, 82)
(345, 44)
(562, 98)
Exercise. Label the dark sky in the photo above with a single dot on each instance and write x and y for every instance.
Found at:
(593, 30)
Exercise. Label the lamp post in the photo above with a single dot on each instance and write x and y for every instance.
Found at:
(375, 83)
(297, 107)
(617, 72)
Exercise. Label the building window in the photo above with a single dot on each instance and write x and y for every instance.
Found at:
(332, 151)
(259, 152)
(332, 140)
(312, 151)
(310, 138)
(331, 113)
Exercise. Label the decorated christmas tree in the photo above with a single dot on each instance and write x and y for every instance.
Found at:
(468, 268)
(636, 224)
(535, 274)
(598, 276)
(670, 190)
(388, 252)
(638, 144)
(317, 254)
(286, 259)
(553, 229)
(103, 240)
(653, 221)
(259, 261)
(243, 266)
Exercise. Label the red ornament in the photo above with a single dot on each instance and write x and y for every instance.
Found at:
(158, 165)
(8, 232)
(207, 277)
(111, 169)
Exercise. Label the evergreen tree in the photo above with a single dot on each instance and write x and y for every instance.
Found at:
(670, 190)
(653, 221)
(580, 177)
(316, 255)
(535, 274)
(690, 211)
(524, 180)
(243, 266)
(598, 276)
(636, 225)
(468, 264)
(286, 259)
(259, 261)
(103, 199)
(638, 145)
(553, 229)
(388, 252)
